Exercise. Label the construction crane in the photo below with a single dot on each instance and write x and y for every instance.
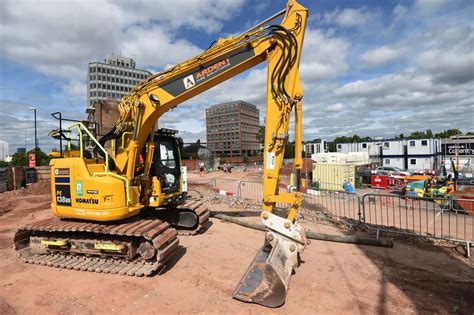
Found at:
(121, 211)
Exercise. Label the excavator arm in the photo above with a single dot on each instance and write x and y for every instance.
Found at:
(266, 280)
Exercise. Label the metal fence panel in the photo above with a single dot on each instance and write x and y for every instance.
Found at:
(337, 203)
(436, 218)
(442, 218)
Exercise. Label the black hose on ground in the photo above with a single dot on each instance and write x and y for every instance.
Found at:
(360, 240)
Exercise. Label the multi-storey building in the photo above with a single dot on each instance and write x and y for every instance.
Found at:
(112, 79)
(232, 129)
(413, 154)
(3, 150)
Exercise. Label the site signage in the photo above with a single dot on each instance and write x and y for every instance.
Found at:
(462, 148)
(31, 159)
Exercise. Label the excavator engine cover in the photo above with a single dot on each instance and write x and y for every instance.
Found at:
(267, 279)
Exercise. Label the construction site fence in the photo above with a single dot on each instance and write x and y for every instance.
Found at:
(16, 177)
(449, 218)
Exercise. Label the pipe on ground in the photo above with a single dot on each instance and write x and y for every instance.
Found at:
(359, 240)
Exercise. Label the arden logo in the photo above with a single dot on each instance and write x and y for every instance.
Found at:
(212, 70)
(189, 82)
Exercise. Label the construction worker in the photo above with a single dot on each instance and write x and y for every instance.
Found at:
(201, 169)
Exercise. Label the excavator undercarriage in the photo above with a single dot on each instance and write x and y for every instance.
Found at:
(138, 246)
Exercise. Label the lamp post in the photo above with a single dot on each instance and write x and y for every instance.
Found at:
(36, 138)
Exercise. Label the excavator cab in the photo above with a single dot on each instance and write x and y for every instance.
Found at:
(166, 162)
(165, 170)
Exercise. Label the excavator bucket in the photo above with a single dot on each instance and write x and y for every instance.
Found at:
(267, 279)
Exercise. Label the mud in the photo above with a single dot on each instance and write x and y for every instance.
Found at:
(333, 278)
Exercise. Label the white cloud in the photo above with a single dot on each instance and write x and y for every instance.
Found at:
(335, 108)
(17, 126)
(452, 59)
(76, 89)
(323, 56)
(156, 48)
(429, 6)
(60, 38)
(380, 56)
(349, 17)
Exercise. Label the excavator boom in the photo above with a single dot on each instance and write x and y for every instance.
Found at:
(111, 207)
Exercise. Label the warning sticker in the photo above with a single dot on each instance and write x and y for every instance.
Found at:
(63, 195)
(270, 161)
(61, 171)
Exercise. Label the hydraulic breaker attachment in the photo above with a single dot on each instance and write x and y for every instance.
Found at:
(267, 279)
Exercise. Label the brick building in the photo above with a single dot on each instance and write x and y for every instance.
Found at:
(104, 114)
(112, 79)
(232, 128)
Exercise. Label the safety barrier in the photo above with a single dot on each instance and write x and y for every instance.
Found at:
(440, 218)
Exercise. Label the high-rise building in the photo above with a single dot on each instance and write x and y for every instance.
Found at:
(3, 150)
(232, 128)
(112, 79)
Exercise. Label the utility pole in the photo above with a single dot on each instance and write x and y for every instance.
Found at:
(36, 137)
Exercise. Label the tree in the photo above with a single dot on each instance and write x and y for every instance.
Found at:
(18, 159)
(344, 139)
(417, 135)
(445, 134)
(182, 154)
(289, 150)
(429, 133)
(42, 159)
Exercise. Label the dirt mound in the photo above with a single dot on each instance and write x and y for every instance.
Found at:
(12, 199)
(35, 189)
(6, 206)
(41, 188)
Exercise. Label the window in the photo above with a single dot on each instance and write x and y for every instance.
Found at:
(412, 161)
(364, 145)
(339, 146)
(424, 142)
(386, 144)
(387, 161)
(412, 143)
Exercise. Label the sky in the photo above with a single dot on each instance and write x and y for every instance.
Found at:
(372, 68)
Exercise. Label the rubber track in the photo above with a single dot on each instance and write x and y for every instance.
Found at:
(160, 234)
(196, 206)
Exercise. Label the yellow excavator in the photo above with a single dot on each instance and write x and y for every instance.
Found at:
(121, 209)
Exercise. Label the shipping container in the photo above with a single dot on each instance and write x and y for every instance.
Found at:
(332, 176)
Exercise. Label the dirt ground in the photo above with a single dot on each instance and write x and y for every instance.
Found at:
(335, 278)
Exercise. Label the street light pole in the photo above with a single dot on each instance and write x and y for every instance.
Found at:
(36, 138)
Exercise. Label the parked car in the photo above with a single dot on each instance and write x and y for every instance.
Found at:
(392, 170)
